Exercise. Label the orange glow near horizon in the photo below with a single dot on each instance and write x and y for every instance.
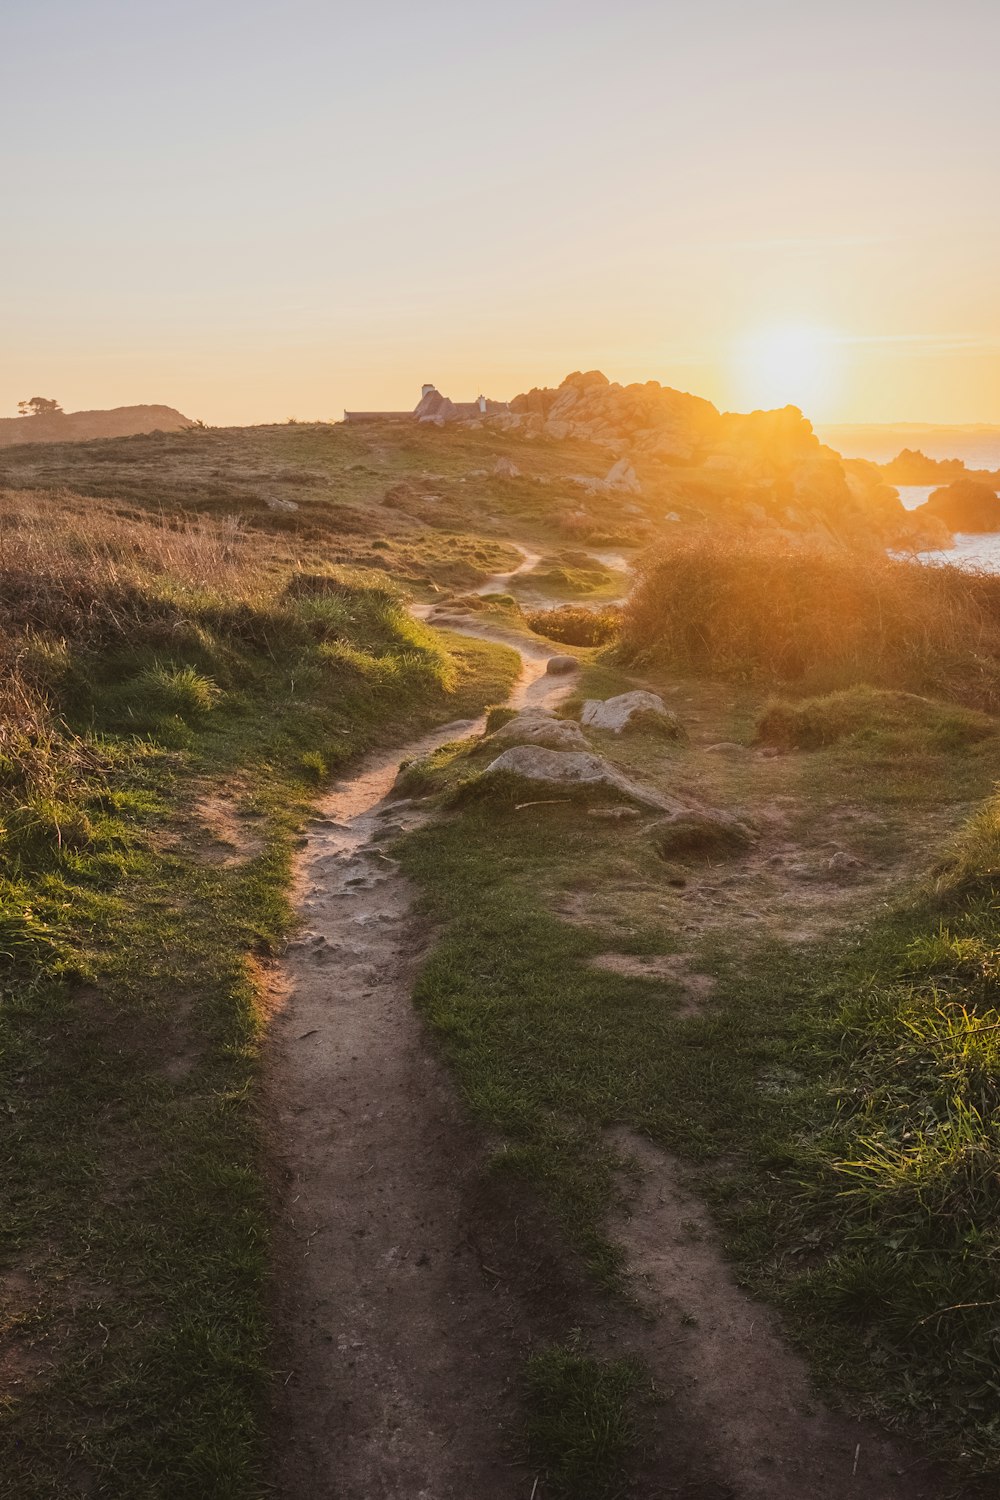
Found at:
(788, 365)
(792, 206)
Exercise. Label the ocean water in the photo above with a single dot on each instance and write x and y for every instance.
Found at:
(971, 549)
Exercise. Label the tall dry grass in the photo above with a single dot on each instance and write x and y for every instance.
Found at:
(767, 609)
(64, 536)
(73, 570)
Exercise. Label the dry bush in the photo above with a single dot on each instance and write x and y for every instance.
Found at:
(767, 609)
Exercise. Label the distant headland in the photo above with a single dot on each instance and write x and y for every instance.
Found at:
(47, 426)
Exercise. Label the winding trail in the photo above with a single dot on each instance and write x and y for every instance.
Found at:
(398, 1352)
(398, 1349)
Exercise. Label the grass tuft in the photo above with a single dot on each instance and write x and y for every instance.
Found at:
(581, 1425)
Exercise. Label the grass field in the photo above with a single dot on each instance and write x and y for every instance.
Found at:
(430, 501)
(834, 1098)
(198, 631)
(175, 693)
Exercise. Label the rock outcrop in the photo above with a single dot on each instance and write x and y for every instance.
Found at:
(571, 770)
(966, 505)
(647, 418)
(539, 726)
(628, 712)
(762, 468)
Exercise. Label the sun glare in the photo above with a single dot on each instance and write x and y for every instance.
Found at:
(794, 365)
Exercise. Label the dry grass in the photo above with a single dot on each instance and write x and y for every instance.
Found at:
(767, 609)
(73, 571)
(62, 536)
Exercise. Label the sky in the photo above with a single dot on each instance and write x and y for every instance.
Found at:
(258, 210)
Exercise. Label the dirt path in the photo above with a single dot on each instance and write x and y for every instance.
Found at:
(730, 1372)
(399, 1349)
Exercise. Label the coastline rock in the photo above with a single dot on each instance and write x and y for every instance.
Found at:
(966, 505)
(628, 712)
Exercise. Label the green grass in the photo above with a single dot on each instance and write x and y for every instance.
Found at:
(134, 1242)
(581, 1426)
(876, 720)
(836, 1103)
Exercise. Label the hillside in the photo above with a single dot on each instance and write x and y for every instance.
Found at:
(84, 426)
(588, 460)
(633, 998)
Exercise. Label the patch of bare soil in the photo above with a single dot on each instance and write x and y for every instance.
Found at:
(228, 836)
(673, 967)
(721, 1357)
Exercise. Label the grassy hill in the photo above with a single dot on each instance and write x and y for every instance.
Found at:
(82, 426)
(200, 628)
(175, 689)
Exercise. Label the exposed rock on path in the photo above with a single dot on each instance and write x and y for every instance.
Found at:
(572, 769)
(560, 666)
(539, 726)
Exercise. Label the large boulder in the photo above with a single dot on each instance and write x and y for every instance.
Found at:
(539, 726)
(628, 712)
(563, 770)
(966, 505)
(560, 666)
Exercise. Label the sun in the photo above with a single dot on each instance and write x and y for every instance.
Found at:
(791, 365)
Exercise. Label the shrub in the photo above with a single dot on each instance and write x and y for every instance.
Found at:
(574, 625)
(762, 609)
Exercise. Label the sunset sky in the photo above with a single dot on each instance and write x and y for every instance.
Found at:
(258, 209)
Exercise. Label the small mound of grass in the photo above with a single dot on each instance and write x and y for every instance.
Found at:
(499, 715)
(574, 625)
(871, 713)
(581, 1426)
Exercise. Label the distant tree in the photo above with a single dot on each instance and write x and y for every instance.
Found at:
(38, 406)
